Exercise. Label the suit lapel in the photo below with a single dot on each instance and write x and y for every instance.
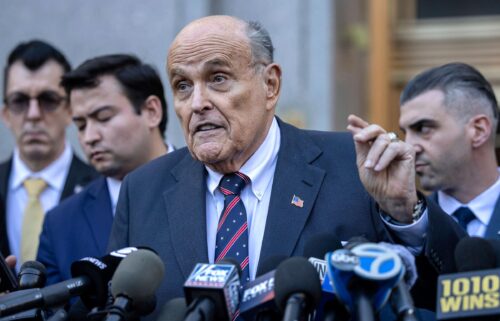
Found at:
(493, 229)
(98, 213)
(294, 175)
(185, 204)
(79, 175)
(5, 169)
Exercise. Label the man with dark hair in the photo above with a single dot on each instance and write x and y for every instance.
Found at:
(120, 112)
(250, 186)
(43, 169)
(450, 115)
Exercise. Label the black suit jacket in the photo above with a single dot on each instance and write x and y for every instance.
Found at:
(79, 175)
(162, 206)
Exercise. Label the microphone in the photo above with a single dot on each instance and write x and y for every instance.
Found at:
(400, 298)
(173, 310)
(363, 277)
(257, 300)
(134, 284)
(90, 281)
(330, 308)
(297, 288)
(32, 274)
(212, 292)
(473, 293)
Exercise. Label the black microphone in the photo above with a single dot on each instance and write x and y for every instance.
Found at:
(329, 308)
(173, 310)
(212, 292)
(297, 288)
(90, 282)
(474, 254)
(134, 284)
(32, 274)
(257, 299)
(473, 293)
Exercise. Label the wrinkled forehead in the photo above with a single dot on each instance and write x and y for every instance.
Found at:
(210, 42)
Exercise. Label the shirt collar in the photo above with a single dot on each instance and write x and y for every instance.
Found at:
(54, 174)
(114, 190)
(482, 205)
(259, 167)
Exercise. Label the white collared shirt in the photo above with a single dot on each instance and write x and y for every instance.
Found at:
(54, 175)
(256, 196)
(482, 206)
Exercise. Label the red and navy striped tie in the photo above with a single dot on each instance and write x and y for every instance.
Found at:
(232, 231)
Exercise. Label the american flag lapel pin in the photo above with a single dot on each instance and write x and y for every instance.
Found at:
(297, 201)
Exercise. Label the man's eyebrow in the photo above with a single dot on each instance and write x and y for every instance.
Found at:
(176, 71)
(420, 122)
(218, 62)
(94, 113)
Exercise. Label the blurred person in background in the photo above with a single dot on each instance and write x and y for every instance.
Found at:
(43, 169)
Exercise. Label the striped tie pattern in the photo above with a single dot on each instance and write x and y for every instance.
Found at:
(232, 230)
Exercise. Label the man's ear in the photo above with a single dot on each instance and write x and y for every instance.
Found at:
(272, 78)
(152, 111)
(480, 128)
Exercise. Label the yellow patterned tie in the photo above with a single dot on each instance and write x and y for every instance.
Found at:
(33, 218)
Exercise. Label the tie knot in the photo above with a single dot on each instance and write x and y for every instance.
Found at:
(232, 184)
(34, 186)
(464, 216)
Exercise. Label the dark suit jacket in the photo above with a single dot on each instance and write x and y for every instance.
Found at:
(77, 228)
(162, 206)
(80, 174)
(493, 228)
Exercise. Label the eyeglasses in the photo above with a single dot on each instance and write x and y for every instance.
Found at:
(48, 101)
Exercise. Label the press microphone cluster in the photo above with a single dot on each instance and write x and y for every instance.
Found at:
(90, 282)
(352, 282)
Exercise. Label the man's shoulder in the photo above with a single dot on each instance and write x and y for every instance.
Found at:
(326, 141)
(161, 166)
(74, 204)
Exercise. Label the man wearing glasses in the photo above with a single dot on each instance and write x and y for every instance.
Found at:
(42, 170)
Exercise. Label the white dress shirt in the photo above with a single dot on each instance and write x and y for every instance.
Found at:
(482, 206)
(256, 196)
(54, 175)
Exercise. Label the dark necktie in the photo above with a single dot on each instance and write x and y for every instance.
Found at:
(232, 230)
(464, 216)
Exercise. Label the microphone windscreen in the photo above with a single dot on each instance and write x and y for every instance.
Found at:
(32, 274)
(173, 310)
(473, 254)
(320, 244)
(296, 275)
(138, 276)
(271, 263)
(34, 265)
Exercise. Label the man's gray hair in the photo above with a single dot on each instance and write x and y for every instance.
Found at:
(260, 43)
